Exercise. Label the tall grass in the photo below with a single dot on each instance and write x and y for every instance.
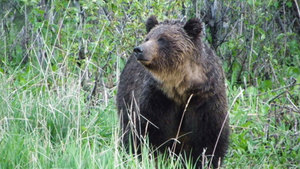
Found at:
(46, 126)
(47, 119)
(51, 127)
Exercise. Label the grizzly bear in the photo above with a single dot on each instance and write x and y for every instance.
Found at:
(172, 91)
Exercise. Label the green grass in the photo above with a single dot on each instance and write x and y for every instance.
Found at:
(44, 126)
(46, 120)
(51, 128)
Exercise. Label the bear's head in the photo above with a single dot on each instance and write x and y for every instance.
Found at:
(167, 44)
(171, 53)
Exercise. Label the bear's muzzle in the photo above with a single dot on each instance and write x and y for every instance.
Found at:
(139, 54)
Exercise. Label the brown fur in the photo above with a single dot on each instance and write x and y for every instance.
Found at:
(184, 73)
(165, 70)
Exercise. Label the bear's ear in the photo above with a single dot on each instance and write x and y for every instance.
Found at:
(151, 22)
(193, 27)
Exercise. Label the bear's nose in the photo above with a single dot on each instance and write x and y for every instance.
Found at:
(138, 50)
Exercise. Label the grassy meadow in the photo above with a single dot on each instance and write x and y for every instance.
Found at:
(59, 68)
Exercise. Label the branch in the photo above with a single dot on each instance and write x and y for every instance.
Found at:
(297, 6)
(284, 87)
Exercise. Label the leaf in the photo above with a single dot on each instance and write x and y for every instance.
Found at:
(267, 84)
(289, 4)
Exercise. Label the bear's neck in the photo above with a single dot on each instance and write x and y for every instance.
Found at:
(181, 83)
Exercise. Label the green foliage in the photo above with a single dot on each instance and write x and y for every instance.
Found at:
(54, 54)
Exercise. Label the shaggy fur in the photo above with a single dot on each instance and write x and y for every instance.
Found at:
(156, 83)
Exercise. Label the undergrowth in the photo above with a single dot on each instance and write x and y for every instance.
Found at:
(60, 62)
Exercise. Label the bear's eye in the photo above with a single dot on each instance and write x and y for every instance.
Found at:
(162, 41)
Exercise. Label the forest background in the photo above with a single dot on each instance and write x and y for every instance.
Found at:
(60, 63)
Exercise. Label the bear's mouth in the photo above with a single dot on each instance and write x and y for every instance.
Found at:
(145, 63)
(142, 59)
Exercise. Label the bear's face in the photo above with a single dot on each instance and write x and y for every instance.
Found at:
(167, 44)
(171, 53)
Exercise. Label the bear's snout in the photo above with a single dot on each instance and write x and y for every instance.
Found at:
(146, 52)
(138, 50)
(139, 54)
